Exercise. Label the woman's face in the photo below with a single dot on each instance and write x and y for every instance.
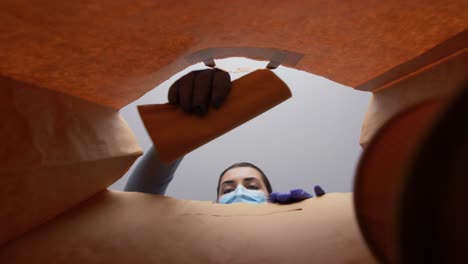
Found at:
(249, 177)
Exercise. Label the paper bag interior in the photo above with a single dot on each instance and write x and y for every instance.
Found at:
(112, 52)
(56, 151)
(66, 67)
(438, 81)
(119, 227)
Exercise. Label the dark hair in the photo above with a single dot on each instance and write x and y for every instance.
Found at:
(245, 164)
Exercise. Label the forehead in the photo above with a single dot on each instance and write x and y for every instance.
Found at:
(237, 174)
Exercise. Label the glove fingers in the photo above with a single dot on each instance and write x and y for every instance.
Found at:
(173, 94)
(186, 91)
(273, 197)
(201, 91)
(284, 198)
(221, 87)
(300, 194)
(318, 190)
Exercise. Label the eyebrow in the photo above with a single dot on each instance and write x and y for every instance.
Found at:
(227, 182)
(248, 179)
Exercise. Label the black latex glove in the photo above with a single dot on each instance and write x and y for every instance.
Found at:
(197, 90)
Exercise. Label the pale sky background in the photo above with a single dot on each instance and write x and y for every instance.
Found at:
(312, 138)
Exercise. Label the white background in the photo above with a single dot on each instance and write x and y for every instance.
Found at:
(312, 138)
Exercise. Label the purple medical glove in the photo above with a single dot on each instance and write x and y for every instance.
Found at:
(295, 195)
(318, 190)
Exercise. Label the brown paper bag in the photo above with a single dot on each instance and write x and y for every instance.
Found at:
(117, 227)
(56, 151)
(113, 52)
(383, 173)
(175, 133)
(439, 80)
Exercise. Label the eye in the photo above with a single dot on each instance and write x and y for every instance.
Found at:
(227, 191)
(253, 187)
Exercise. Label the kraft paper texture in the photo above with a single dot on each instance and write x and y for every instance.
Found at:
(117, 227)
(66, 67)
(440, 80)
(56, 152)
(383, 172)
(113, 52)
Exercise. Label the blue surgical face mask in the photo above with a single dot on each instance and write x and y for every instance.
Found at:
(243, 195)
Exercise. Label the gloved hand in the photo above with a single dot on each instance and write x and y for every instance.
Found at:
(197, 90)
(295, 195)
